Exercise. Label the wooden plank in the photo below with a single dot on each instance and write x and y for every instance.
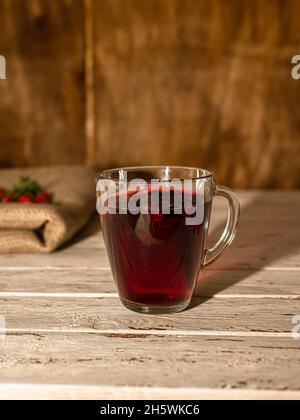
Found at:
(243, 282)
(69, 392)
(211, 282)
(152, 332)
(216, 314)
(57, 281)
(174, 80)
(177, 362)
(43, 99)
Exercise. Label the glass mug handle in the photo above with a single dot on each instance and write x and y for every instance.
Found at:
(231, 227)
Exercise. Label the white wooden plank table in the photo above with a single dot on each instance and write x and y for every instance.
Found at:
(67, 335)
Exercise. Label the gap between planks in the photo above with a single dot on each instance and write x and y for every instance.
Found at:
(90, 83)
(102, 392)
(131, 332)
(109, 295)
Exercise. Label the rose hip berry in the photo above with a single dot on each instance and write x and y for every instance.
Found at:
(44, 198)
(25, 200)
(7, 200)
(26, 191)
(2, 194)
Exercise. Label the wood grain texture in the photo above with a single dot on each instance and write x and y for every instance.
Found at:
(211, 282)
(90, 314)
(42, 109)
(199, 83)
(177, 362)
(111, 393)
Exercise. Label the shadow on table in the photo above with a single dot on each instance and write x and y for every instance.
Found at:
(265, 235)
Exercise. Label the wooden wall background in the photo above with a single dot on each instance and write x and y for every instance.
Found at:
(129, 82)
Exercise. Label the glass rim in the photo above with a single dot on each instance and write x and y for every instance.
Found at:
(105, 174)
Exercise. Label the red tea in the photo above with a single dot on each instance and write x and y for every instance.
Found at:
(155, 258)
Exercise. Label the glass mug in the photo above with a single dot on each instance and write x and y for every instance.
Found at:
(156, 256)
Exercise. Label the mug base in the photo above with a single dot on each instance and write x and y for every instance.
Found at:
(155, 309)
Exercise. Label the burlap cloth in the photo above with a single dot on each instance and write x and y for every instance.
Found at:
(41, 228)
